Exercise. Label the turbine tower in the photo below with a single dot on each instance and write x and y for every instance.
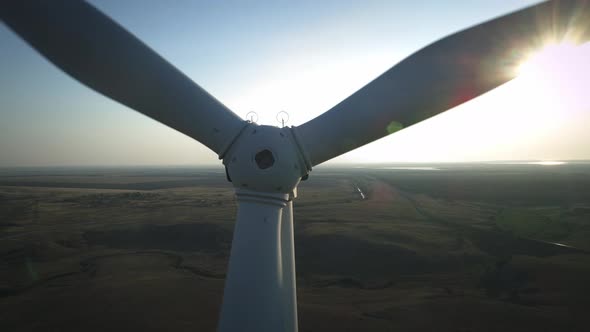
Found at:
(265, 163)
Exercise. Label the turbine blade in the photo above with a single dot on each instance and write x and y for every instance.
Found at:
(90, 47)
(441, 76)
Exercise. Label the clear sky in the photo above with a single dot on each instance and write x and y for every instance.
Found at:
(299, 56)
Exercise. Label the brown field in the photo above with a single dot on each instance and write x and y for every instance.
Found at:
(465, 248)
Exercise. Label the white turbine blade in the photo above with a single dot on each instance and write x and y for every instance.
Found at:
(258, 286)
(441, 76)
(99, 53)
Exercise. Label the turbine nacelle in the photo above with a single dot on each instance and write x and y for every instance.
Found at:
(266, 159)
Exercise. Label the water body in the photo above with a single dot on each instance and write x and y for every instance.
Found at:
(361, 193)
(538, 162)
(413, 168)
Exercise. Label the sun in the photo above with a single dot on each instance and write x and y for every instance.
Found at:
(557, 70)
(535, 62)
(547, 58)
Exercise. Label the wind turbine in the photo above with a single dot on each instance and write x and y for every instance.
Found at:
(265, 163)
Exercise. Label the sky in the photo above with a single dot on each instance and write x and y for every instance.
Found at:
(300, 57)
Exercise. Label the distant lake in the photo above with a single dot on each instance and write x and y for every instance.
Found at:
(413, 168)
(540, 162)
(407, 168)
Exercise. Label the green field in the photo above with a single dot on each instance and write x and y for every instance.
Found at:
(462, 247)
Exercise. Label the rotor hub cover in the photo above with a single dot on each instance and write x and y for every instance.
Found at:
(265, 159)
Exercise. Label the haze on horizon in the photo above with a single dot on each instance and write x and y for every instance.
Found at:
(302, 58)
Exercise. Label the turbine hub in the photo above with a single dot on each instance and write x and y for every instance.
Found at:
(266, 159)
